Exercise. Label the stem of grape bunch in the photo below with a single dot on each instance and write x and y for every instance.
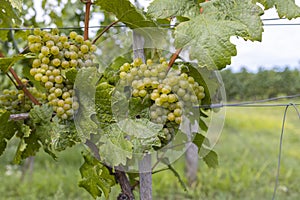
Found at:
(20, 85)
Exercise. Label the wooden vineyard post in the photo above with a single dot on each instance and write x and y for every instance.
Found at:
(145, 172)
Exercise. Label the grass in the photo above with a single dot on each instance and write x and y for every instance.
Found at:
(247, 149)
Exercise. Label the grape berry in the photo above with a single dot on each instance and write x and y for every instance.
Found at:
(55, 54)
(170, 92)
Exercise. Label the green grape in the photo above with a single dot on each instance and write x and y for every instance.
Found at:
(63, 38)
(45, 50)
(33, 71)
(177, 112)
(58, 79)
(65, 64)
(66, 107)
(73, 63)
(66, 95)
(93, 48)
(60, 103)
(154, 96)
(181, 92)
(171, 116)
(73, 35)
(60, 111)
(164, 97)
(36, 63)
(172, 98)
(44, 79)
(48, 85)
(79, 39)
(75, 105)
(142, 93)
(56, 62)
(84, 49)
(58, 92)
(38, 76)
(49, 44)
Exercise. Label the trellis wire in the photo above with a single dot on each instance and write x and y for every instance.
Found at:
(280, 146)
(124, 26)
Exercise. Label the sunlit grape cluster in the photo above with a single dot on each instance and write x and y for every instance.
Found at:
(15, 101)
(55, 54)
(171, 91)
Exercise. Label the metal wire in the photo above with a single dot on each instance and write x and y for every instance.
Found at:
(124, 26)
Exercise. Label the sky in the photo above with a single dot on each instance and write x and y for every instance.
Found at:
(280, 45)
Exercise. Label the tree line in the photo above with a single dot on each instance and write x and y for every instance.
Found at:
(265, 83)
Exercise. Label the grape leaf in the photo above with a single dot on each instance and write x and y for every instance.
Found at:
(8, 18)
(245, 12)
(85, 87)
(140, 128)
(41, 114)
(96, 178)
(208, 35)
(170, 8)
(114, 148)
(7, 130)
(285, 8)
(209, 40)
(103, 104)
(64, 134)
(126, 12)
(38, 135)
(71, 74)
(211, 159)
(6, 63)
(209, 156)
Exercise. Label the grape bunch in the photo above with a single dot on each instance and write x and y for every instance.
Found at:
(55, 55)
(15, 101)
(171, 92)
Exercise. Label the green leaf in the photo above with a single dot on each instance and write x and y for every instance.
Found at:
(17, 4)
(63, 134)
(41, 114)
(39, 134)
(208, 35)
(177, 175)
(6, 63)
(140, 128)
(170, 8)
(85, 87)
(126, 12)
(209, 40)
(7, 130)
(103, 104)
(211, 159)
(114, 147)
(245, 12)
(285, 8)
(8, 18)
(96, 178)
(71, 74)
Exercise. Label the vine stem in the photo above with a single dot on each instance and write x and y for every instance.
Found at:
(104, 30)
(88, 4)
(173, 58)
(21, 85)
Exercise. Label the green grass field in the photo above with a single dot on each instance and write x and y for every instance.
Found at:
(247, 149)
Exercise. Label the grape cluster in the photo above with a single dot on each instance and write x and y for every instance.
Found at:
(55, 54)
(15, 101)
(170, 92)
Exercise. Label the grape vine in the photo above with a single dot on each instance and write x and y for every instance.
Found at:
(137, 107)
